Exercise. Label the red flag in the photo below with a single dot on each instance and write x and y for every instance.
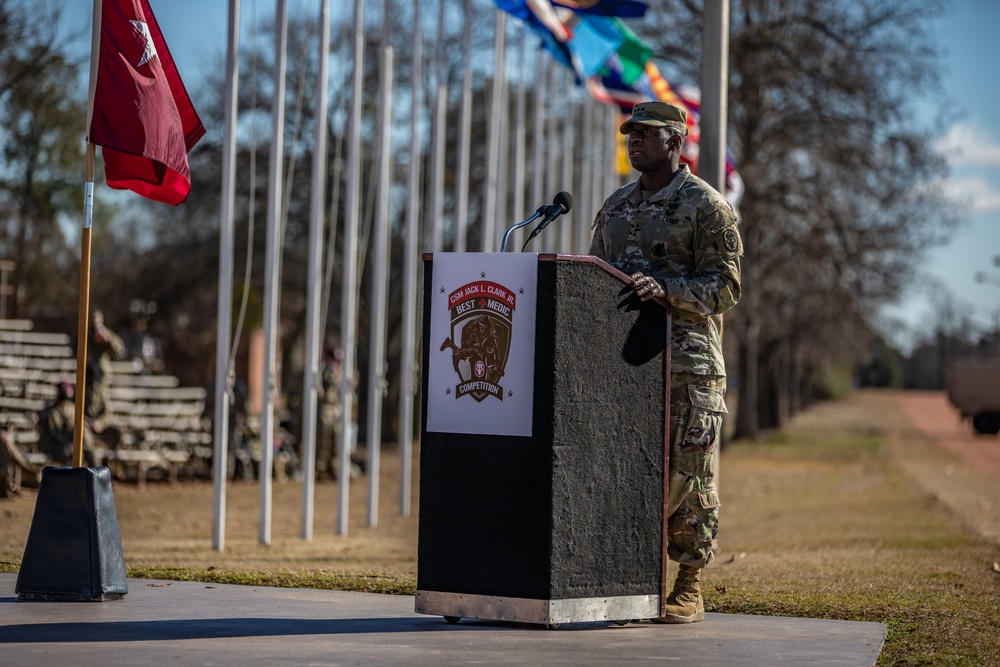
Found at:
(142, 115)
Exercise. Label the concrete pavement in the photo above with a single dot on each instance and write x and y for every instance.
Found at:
(191, 623)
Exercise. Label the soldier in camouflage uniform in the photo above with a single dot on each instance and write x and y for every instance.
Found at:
(679, 240)
(55, 429)
(328, 434)
(103, 345)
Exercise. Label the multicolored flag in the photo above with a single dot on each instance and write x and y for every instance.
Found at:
(614, 64)
(139, 111)
(629, 60)
(585, 41)
(595, 39)
(608, 88)
(540, 17)
(539, 14)
(544, 11)
(623, 8)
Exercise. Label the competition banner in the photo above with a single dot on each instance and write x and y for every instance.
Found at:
(482, 343)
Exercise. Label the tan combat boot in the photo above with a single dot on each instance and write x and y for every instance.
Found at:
(684, 604)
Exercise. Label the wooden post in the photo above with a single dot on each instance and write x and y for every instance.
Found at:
(84, 303)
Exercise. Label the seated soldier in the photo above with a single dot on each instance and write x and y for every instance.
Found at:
(55, 428)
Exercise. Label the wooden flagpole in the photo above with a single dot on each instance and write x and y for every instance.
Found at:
(82, 318)
(88, 217)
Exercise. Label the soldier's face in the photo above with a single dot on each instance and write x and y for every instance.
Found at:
(650, 148)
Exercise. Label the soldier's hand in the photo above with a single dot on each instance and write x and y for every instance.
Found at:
(647, 287)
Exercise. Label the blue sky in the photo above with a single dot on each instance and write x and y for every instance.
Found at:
(972, 140)
(196, 33)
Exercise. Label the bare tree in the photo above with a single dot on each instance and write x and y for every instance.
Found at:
(178, 268)
(42, 116)
(840, 199)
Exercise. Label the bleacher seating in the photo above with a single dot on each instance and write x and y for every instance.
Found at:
(151, 423)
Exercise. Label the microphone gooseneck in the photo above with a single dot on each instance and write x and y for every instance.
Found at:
(561, 203)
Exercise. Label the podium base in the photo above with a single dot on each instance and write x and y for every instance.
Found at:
(454, 606)
(68, 597)
(74, 550)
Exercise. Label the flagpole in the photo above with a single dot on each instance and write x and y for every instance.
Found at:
(554, 174)
(496, 123)
(223, 386)
(84, 304)
(88, 217)
(465, 134)
(519, 135)
(310, 389)
(408, 364)
(600, 165)
(538, 138)
(611, 177)
(380, 269)
(272, 273)
(713, 113)
(566, 156)
(581, 242)
(349, 300)
(76, 510)
(440, 119)
(503, 148)
(714, 81)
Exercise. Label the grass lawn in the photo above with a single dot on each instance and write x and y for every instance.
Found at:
(818, 521)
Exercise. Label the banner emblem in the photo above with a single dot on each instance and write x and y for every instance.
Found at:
(481, 323)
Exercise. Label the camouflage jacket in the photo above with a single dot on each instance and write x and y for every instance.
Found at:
(687, 237)
(55, 430)
(102, 347)
(329, 393)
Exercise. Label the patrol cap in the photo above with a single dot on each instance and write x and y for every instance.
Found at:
(657, 114)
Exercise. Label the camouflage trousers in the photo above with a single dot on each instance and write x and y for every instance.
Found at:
(327, 437)
(696, 409)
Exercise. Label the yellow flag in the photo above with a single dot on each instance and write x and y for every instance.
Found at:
(622, 165)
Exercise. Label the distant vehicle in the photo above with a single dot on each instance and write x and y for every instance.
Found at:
(973, 386)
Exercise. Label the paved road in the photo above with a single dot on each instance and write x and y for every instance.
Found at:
(189, 623)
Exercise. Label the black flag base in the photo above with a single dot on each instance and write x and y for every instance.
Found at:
(74, 550)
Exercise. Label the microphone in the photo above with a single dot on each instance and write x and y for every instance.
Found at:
(561, 203)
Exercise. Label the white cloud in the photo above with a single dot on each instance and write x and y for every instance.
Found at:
(980, 194)
(970, 144)
(973, 151)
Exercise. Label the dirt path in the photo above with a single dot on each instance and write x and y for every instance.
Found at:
(940, 452)
(931, 413)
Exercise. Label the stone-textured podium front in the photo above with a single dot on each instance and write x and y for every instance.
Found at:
(566, 525)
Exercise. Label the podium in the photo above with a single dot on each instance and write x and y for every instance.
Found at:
(555, 511)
